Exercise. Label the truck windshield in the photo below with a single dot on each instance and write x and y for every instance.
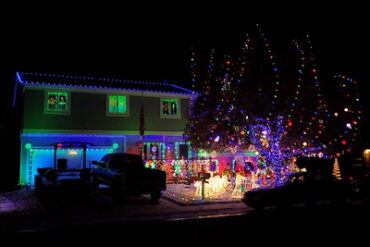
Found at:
(126, 162)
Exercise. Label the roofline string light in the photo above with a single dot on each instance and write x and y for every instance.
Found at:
(24, 82)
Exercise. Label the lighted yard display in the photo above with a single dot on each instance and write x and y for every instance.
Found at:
(185, 178)
(248, 104)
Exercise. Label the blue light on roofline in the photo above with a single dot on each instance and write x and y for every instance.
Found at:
(18, 79)
(107, 88)
(23, 82)
(70, 135)
(91, 78)
(187, 90)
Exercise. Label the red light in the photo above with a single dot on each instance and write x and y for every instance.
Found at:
(344, 142)
(59, 145)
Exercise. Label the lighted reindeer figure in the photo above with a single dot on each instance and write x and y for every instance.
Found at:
(239, 185)
(213, 188)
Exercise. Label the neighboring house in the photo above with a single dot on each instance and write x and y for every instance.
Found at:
(104, 112)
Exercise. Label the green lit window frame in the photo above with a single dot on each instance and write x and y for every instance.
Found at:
(161, 149)
(171, 112)
(177, 149)
(117, 105)
(61, 105)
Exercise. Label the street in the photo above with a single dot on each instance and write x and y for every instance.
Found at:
(138, 219)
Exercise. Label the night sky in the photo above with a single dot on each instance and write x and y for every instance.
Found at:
(152, 41)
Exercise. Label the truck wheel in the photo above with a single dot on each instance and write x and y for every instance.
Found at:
(95, 183)
(39, 188)
(118, 196)
(51, 175)
(118, 192)
(155, 196)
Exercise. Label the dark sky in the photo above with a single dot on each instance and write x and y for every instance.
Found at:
(151, 41)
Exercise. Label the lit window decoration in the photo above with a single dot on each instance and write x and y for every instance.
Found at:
(154, 150)
(117, 104)
(57, 102)
(170, 107)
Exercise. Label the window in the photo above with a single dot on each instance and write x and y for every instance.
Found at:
(117, 105)
(154, 150)
(57, 102)
(170, 108)
(183, 150)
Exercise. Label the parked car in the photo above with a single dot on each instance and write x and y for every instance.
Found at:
(300, 188)
(126, 174)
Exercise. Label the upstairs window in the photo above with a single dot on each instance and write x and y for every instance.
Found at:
(57, 102)
(117, 105)
(170, 108)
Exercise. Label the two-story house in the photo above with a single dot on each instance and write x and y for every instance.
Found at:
(107, 113)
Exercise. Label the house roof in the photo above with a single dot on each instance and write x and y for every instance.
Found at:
(39, 79)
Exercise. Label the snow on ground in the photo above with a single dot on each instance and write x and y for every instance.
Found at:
(23, 208)
(187, 195)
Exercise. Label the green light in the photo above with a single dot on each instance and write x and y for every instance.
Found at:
(161, 146)
(28, 146)
(202, 153)
(115, 145)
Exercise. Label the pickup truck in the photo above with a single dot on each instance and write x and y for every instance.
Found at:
(126, 174)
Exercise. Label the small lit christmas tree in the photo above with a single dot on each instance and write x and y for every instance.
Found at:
(336, 170)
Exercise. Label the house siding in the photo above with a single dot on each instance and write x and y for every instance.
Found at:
(88, 112)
